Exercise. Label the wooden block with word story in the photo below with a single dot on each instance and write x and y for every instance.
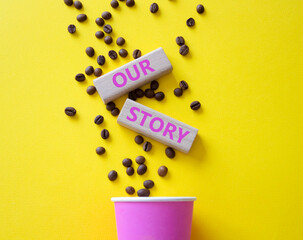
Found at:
(133, 75)
(156, 125)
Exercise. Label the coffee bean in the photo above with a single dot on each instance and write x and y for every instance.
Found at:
(178, 92)
(148, 184)
(80, 77)
(132, 95)
(90, 51)
(89, 70)
(136, 53)
(141, 169)
(98, 72)
(110, 106)
(139, 93)
(68, 2)
(78, 4)
(149, 93)
(159, 96)
(100, 150)
(101, 60)
(195, 105)
(104, 134)
(106, 15)
(99, 34)
(154, 8)
(91, 90)
(143, 192)
(180, 41)
(81, 17)
(115, 112)
(99, 119)
(190, 22)
(120, 41)
(71, 28)
(162, 171)
(112, 54)
(107, 28)
(139, 139)
(108, 40)
(154, 85)
(112, 175)
(99, 21)
(114, 3)
(183, 85)
(200, 8)
(130, 3)
(130, 190)
(147, 146)
(70, 111)
(140, 159)
(184, 49)
(130, 171)
(170, 152)
(127, 162)
(123, 53)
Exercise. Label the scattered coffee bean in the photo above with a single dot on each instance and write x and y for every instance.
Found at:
(115, 112)
(101, 60)
(112, 175)
(180, 41)
(149, 93)
(127, 162)
(68, 2)
(184, 49)
(162, 171)
(104, 134)
(70, 111)
(98, 72)
(132, 95)
(130, 190)
(89, 70)
(136, 53)
(130, 3)
(195, 105)
(110, 106)
(99, 119)
(90, 51)
(143, 192)
(106, 15)
(178, 92)
(80, 77)
(130, 171)
(154, 8)
(107, 28)
(78, 4)
(81, 17)
(159, 96)
(141, 169)
(183, 85)
(123, 53)
(148, 184)
(170, 152)
(200, 8)
(139, 93)
(190, 22)
(140, 159)
(120, 41)
(91, 90)
(99, 34)
(114, 3)
(99, 21)
(112, 54)
(108, 40)
(154, 85)
(147, 146)
(139, 139)
(100, 150)
(71, 28)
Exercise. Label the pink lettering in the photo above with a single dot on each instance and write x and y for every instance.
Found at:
(123, 78)
(146, 114)
(146, 67)
(170, 130)
(181, 136)
(130, 75)
(151, 124)
(132, 112)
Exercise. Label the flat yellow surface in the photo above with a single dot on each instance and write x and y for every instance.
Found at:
(246, 68)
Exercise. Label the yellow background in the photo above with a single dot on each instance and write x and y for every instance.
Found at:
(245, 66)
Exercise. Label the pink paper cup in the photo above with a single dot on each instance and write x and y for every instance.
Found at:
(154, 218)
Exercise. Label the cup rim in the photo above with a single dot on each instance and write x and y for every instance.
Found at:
(153, 199)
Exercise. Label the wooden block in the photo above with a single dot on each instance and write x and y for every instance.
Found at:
(156, 125)
(133, 75)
